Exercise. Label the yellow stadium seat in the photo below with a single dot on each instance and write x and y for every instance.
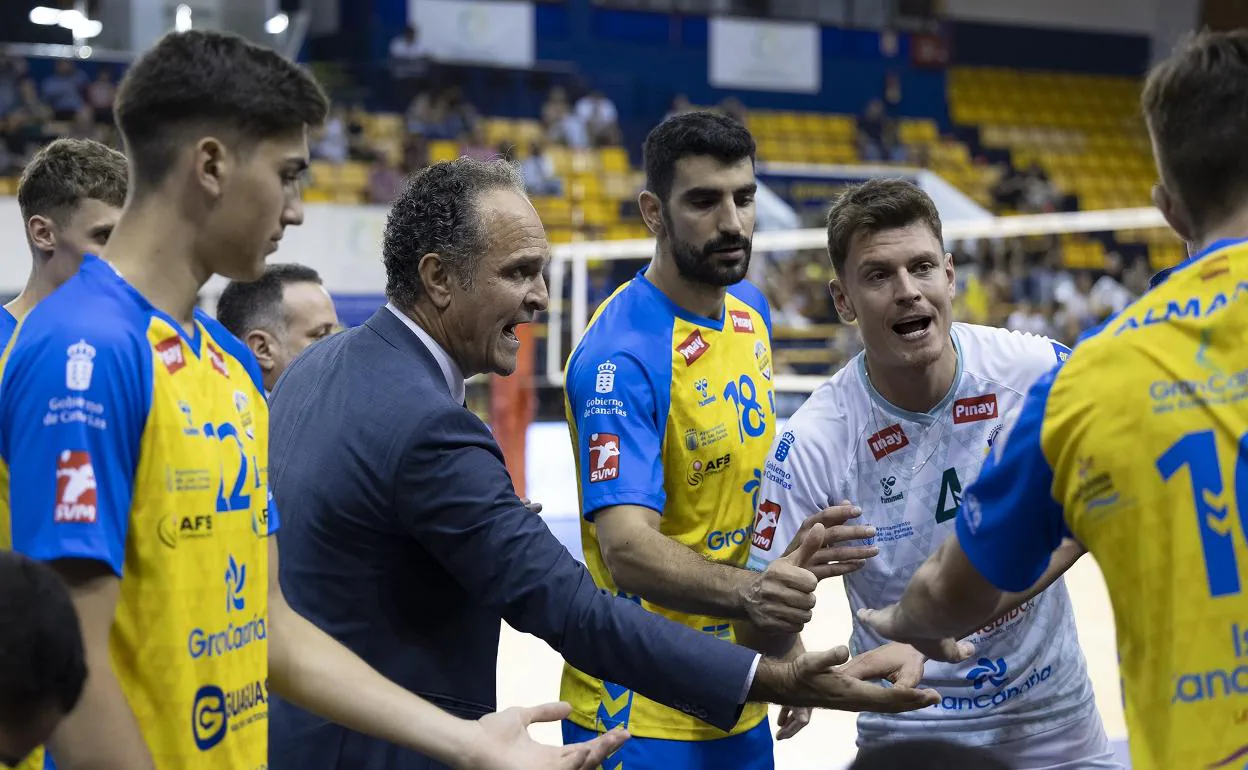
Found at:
(613, 159)
(442, 150)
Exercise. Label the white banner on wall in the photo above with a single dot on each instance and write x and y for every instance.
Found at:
(476, 32)
(765, 55)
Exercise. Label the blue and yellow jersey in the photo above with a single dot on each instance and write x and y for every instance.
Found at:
(127, 440)
(1138, 447)
(672, 412)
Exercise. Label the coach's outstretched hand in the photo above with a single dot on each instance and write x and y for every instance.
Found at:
(832, 558)
(890, 623)
(505, 743)
(820, 680)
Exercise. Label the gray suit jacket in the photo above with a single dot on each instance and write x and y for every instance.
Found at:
(403, 538)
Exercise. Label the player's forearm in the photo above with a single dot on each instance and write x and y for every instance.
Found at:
(101, 732)
(312, 670)
(664, 572)
(1062, 560)
(938, 603)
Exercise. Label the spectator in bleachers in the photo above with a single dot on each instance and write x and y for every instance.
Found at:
(1108, 295)
(64, 90)
(12, 72)
(563, 126)
(415, 154)
(473, 144)
(100, 95)
(538, 171)
(680, 105)
(83, 126)
(733, 108)
(384, 181)
(330, 141)
(871, 124)
(1039, 192)
(24, 125)
(410, 65)
(1027, 318)
(602, 121)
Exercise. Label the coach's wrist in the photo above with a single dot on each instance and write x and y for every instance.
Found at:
(772, 681)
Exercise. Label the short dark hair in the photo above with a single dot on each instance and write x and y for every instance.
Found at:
(42, 662)
(209, 80)
(437, 213)
(924, 754)
(1196, 106)
(687, 135)
(248, 305)
(874, 206)
(68, 171)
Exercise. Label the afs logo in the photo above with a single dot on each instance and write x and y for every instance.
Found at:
(173, 528)
(975, 409)
(214, 709)
(75, 488)
(887, 441)
(692, 348)
(699, 470)
(604, 457)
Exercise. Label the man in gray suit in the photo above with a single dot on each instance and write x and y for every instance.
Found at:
(403, 537)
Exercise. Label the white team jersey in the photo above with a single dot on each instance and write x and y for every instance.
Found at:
(906, 471)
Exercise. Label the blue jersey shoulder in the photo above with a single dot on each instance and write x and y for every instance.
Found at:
(233, 347)
(634, 322)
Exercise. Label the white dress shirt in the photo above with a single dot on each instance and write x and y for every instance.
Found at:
(450, 370)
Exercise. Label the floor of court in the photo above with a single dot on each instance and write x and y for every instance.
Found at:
(528, 670)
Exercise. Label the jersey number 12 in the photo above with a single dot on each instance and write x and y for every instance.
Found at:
(1198, 451)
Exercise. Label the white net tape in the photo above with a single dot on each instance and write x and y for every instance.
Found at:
(570, 262)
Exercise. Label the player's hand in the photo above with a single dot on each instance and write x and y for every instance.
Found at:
(890, 623)
(832, 558)
(815, 679)
(504, 743)
(780, 599)
(900, 664)
(791, 721)
(532, 506)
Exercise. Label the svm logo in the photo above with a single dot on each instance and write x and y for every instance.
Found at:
(216, 712)
(887, 441)
(993, 676)
(741, 321)
(75, 488)
(604, 457)
(692, 348)
(765, 522)
(975, 409)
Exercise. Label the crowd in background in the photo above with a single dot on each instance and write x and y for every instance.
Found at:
(1019, 283)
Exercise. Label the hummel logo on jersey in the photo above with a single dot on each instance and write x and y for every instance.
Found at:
(765, 522)
(693, 347)
(604, 456)
(975, 409)
(170, 352)
(887, 483)
(887, 441)
(741, 321)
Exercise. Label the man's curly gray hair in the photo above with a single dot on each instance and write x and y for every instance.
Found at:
(437, 213)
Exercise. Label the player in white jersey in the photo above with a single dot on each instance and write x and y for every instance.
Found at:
(899, 431)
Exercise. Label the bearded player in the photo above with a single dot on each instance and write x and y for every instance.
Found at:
(134, 441)
(899, 431)
(1139, 448)
(670, 406)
